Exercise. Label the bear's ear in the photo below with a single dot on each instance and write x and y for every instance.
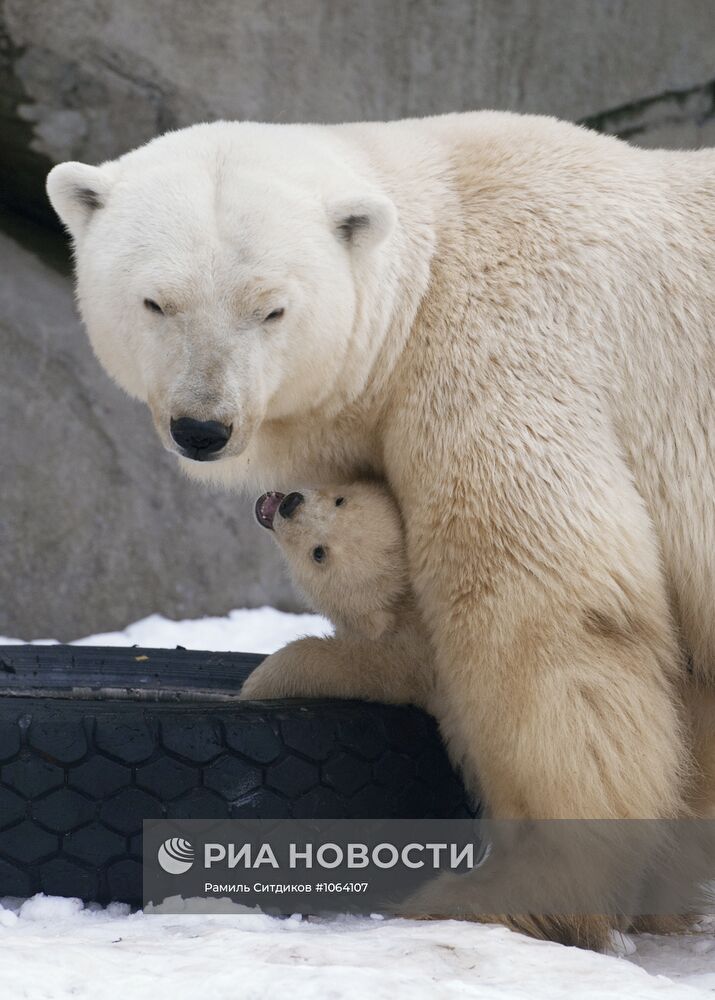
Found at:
(76, 191)
(364, 220)
(374, 624)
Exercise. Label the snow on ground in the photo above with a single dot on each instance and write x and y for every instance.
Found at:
(257, 630)
(54, 948)
(57, 949)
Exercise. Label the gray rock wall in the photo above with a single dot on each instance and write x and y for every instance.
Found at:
(96, 526)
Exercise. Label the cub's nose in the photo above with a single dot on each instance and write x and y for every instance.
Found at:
(199, 439)
(289, 504)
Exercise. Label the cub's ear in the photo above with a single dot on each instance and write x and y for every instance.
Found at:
(76, 191)
(364, 220)
(374, 624)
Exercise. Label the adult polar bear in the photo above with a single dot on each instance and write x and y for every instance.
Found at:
(509, 318)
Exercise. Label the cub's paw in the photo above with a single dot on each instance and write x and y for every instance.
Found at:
(268, 681)
(285, 674)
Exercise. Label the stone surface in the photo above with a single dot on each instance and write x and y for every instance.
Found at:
(96, 526)
(89, 79)
(677, 119)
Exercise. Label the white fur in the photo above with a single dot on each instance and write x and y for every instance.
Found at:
(521, 342)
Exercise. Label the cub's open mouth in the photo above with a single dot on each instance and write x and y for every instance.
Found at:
(266, 507)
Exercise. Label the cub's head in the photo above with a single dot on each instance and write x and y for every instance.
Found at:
(233, 276)
(345, 551)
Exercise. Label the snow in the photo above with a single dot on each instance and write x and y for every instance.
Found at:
(57, 949)
(258, 630)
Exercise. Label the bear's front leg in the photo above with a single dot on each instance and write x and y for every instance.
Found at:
(338, 667)
(538, 576)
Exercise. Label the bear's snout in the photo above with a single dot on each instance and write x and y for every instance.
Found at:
(290, 504)
(199, 439)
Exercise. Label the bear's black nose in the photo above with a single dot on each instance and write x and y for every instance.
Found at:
(199, 439)
(289, 504)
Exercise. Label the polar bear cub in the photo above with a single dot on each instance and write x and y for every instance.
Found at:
(345, 550)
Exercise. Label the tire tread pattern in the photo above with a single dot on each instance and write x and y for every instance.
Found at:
(79, 771)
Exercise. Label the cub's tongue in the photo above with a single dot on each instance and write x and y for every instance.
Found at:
(266, 507)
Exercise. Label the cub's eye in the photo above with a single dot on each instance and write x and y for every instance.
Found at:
(276, 314)
(339, 501)
(153, 306)
(318, 553)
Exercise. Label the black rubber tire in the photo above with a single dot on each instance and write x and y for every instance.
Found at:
(94, 740)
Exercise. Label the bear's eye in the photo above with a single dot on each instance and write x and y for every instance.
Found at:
(318, 553)
(339, 501)
(275, 314)
(153, 306)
